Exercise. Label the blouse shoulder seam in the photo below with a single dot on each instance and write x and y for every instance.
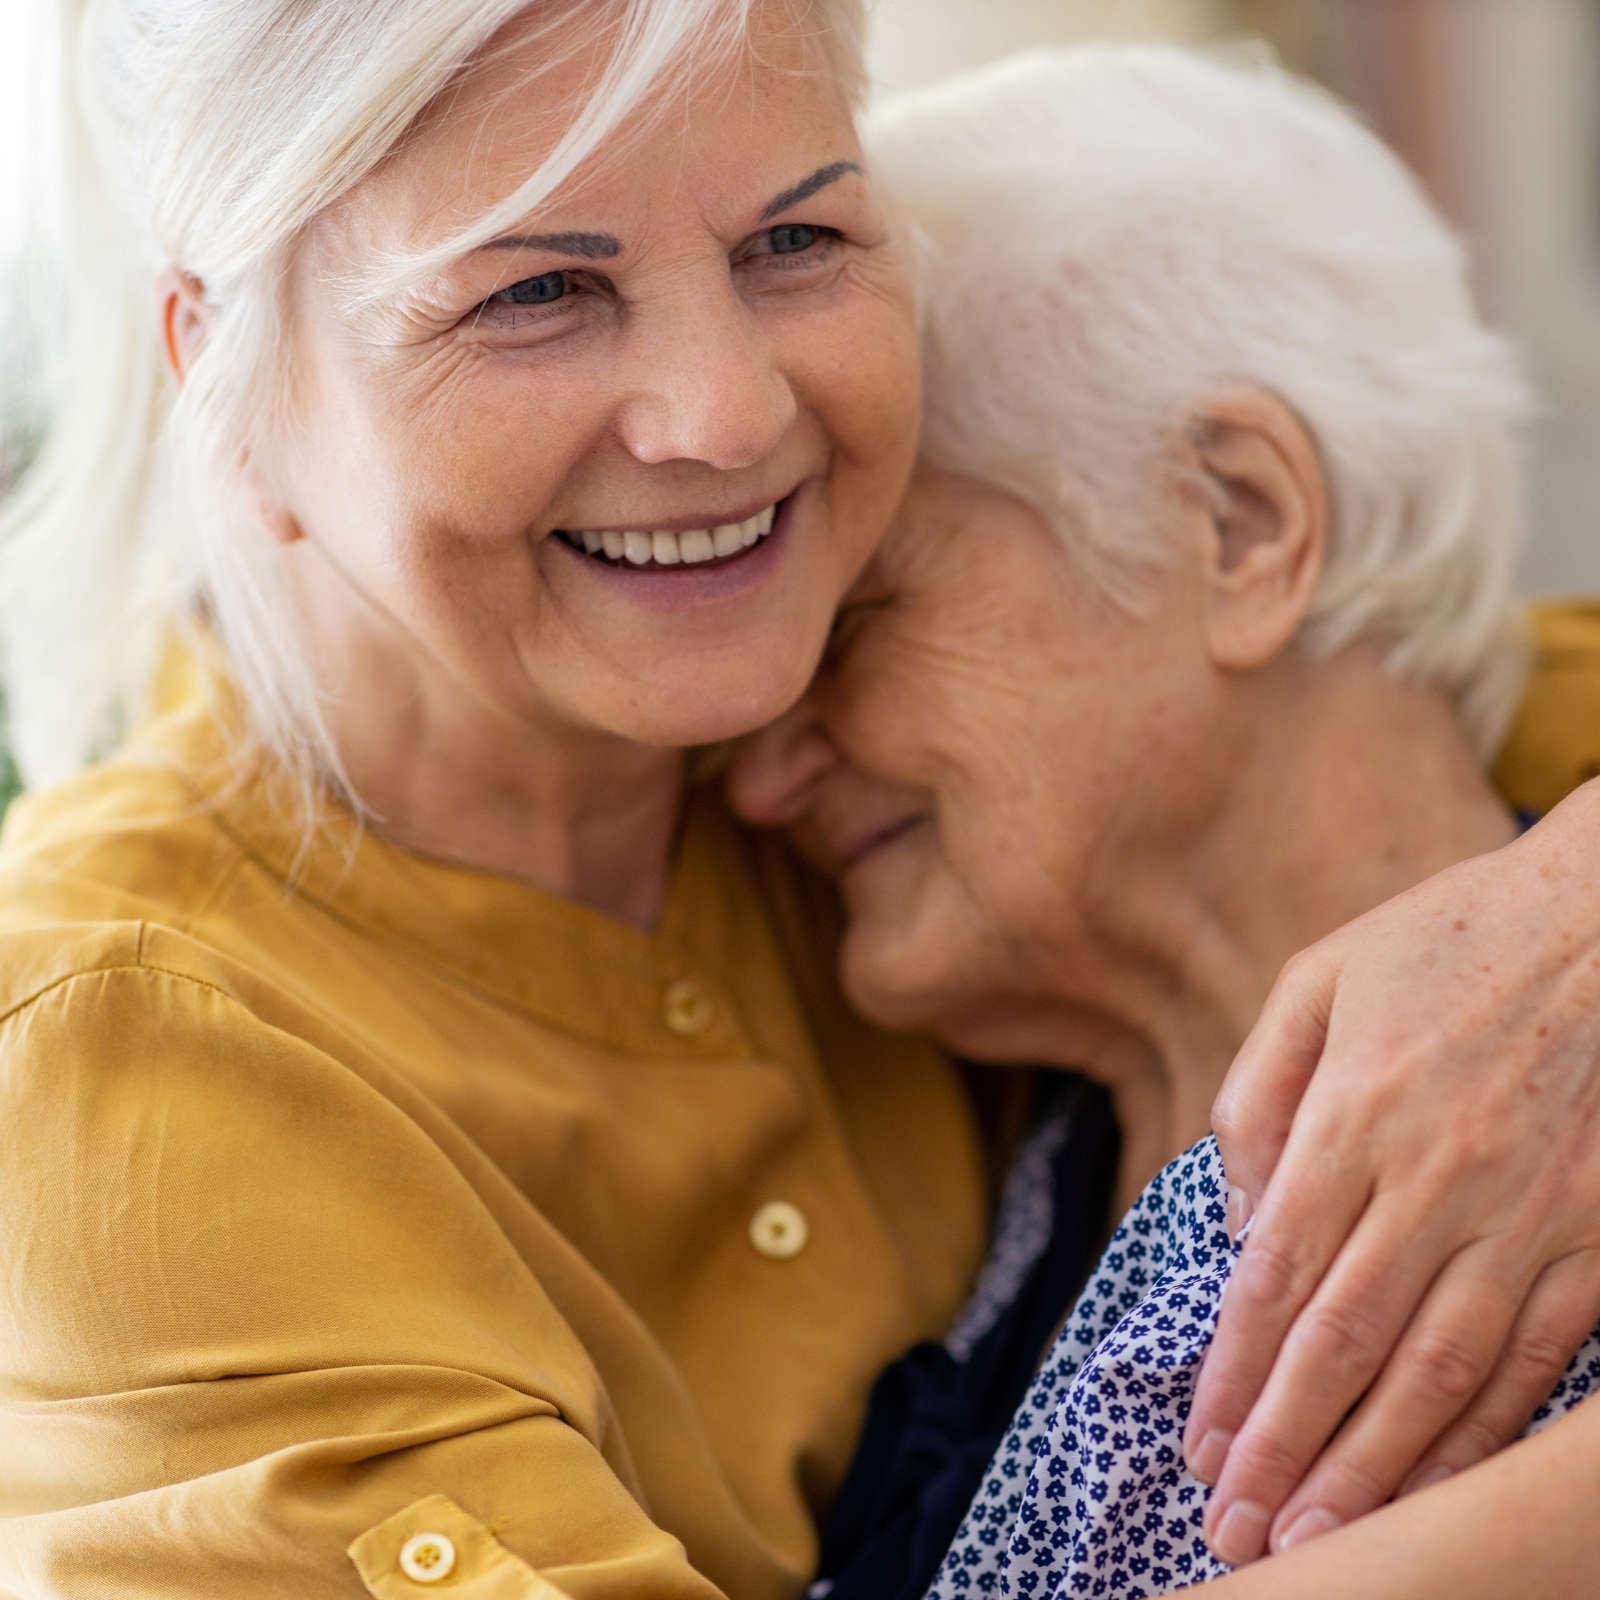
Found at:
(143, 968)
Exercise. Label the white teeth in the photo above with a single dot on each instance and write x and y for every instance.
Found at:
(670, 549)
(696, 545)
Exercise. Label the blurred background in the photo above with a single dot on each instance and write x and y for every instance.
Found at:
(1493, 103)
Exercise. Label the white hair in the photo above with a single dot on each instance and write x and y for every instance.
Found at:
(1113, 234)
(207, 135)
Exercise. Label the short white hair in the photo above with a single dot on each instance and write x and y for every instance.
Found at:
(207, 135)
(1111, 235)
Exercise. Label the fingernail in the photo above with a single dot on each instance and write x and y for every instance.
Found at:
(1238, 1211)
(1424, 1480)
(1209, 1455)
(1308, 1525)
(1242, 1534)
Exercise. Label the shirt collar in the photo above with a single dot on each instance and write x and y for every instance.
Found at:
(669, 990)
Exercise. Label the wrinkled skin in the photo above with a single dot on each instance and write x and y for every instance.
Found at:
(1441, 1056)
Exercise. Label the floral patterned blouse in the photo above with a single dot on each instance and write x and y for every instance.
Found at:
(1088, 1494)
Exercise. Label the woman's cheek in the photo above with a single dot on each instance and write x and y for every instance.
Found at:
(859, 358)
(479, 429)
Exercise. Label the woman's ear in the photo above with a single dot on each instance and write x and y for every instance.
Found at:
(181, 300)
(185, 324)
(1263, 526)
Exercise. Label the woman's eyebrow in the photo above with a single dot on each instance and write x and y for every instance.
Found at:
(606, 246)
(586, 246)
(807, 187)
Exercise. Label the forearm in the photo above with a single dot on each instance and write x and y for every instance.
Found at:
(1523, 1523)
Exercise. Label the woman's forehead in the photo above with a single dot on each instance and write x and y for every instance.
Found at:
(758, 122)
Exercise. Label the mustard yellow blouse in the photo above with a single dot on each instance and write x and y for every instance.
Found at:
(410, 1231)
(1555, 743)
(415, 1231)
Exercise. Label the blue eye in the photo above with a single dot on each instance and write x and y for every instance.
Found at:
(792, 238)
(540, 291)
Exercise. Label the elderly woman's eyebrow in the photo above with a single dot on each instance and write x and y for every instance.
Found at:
(820, 179)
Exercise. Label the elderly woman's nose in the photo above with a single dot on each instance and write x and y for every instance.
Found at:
(713, 390)
(774, 771)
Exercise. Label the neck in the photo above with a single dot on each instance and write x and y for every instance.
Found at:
(1341, 790)
(581, 814)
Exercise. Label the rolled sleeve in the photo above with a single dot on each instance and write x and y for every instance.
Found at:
(260, 1333)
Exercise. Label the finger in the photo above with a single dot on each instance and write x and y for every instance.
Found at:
(1304, 1219)
(1255, 1107)
(1561, 1312)
(1330, 1357)
(1442, 1361)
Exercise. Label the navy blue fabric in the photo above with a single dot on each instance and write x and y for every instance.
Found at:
(936, 1416)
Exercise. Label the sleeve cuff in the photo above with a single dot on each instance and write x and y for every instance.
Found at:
(433, 1547)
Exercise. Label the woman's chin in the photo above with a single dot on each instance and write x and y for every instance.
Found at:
(685, 728)
(677, 709)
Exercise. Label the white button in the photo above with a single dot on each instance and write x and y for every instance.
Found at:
(779, 1230)
(688, 1008)
(427, 1557)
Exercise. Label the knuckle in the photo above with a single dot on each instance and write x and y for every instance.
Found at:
(1267, 1276)
(1230, 1116)
(1299, 970)
(1448, 1366)
(1261, 1459)
(1354, 1484)
(1341, 1338)
(1539, 1354)
(1223, 1396)
(1473, 1439)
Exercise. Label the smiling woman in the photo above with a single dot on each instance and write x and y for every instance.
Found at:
(521, 388)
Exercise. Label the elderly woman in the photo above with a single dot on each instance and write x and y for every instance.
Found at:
(434, 1150)
(1183, 653)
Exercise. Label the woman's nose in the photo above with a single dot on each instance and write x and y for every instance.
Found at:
(711, 391)
(774, 772)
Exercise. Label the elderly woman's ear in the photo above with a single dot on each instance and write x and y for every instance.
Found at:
(1261, 523)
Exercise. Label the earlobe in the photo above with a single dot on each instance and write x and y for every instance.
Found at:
(271, 515)
(1263, 527)
(281, 526)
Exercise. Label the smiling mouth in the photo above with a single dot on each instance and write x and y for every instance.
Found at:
(654, 552)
